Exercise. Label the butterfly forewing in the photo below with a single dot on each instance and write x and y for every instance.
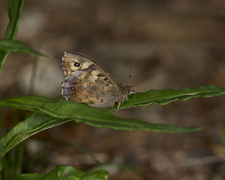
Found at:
(86, 82)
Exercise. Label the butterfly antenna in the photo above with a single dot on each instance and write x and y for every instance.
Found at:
(129, 76)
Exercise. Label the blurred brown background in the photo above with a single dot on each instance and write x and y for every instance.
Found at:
(175, 43)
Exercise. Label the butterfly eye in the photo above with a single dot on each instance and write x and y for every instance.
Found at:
(76, 64)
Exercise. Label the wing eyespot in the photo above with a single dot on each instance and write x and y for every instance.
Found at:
(77, 64)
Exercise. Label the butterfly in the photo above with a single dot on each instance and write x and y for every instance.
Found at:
(86, 82)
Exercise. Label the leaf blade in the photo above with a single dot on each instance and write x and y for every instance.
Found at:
(35, 123)
(166, 96)
(63, 109)
(17, 46)
(65, 173)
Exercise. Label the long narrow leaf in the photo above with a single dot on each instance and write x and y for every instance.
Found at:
(17, 46)
(55, 112)
(166, 96)
(66, 173)
(63, 109)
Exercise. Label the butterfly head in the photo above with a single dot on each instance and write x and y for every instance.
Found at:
(129, 90)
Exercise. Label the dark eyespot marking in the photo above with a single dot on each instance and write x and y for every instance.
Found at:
(86, 76)
(76, 64)
(105, 79)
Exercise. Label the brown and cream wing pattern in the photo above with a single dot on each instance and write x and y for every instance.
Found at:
(86, 82)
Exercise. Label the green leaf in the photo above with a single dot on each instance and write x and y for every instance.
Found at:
(35, 123)
(38, 122)
(34, 176)
(66, 173)
(17, 46)
(8, 44)
(14, 8)
(166, 96)
(61, 111)
(82, 113)
(55, 112)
